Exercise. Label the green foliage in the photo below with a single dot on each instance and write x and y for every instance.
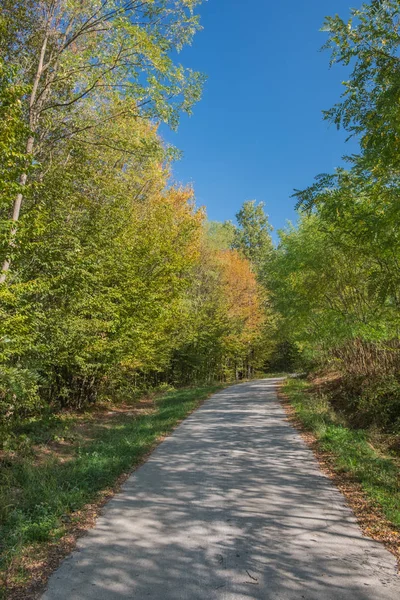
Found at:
(253, 236)
(225, 330)
(220, 235)
(13, 132)
(82, 64)
(369, 43)
(335, 278)
(95, 50)
(370, 402)
(285, 358)
(111, 285)
(105, 270)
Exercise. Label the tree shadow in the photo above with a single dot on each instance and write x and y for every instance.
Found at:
(232, 506)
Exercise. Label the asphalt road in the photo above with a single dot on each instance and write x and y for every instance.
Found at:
(232, 506)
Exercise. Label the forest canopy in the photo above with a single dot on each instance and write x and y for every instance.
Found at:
(112, 279)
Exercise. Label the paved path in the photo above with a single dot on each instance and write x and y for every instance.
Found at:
(232, 506)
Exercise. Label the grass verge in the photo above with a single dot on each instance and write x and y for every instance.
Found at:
(369, 479)
(61, 471)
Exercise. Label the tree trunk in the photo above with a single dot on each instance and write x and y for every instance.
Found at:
(29, 151)
(16, 212)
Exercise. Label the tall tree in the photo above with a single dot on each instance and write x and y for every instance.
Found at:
(338, 275)
(76, 55)
(369, 43)
(253, 236)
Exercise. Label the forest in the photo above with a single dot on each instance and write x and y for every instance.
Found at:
(336, 276)
(114, 283)
(112, 279)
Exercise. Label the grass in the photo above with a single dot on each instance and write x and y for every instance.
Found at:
(351, 449)
(42, 488)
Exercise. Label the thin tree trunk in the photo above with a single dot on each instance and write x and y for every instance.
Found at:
(29, 151)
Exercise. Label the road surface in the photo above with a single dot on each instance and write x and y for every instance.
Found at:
(232, 506)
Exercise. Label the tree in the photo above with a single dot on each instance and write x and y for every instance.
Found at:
(117, 282)
(359, 208)
(75, 56)
(220, 236)
(244, 304)
(253, 236)
(12, 157)
(369, 43)
(223, 336)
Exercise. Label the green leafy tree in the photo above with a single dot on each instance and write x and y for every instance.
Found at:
(12, 157)
(369, 44)
(253, 235)
(220, 236)
(75, 56)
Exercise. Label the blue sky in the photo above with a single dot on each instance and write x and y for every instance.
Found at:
(258, 132)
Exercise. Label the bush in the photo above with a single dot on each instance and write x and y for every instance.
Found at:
(370, 401)
(18, 393)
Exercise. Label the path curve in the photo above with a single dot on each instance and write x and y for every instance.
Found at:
(232, 506)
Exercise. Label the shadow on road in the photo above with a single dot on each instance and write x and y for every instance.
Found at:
(232, 506)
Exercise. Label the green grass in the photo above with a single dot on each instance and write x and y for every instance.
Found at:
(379, 475)
(37, 498)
